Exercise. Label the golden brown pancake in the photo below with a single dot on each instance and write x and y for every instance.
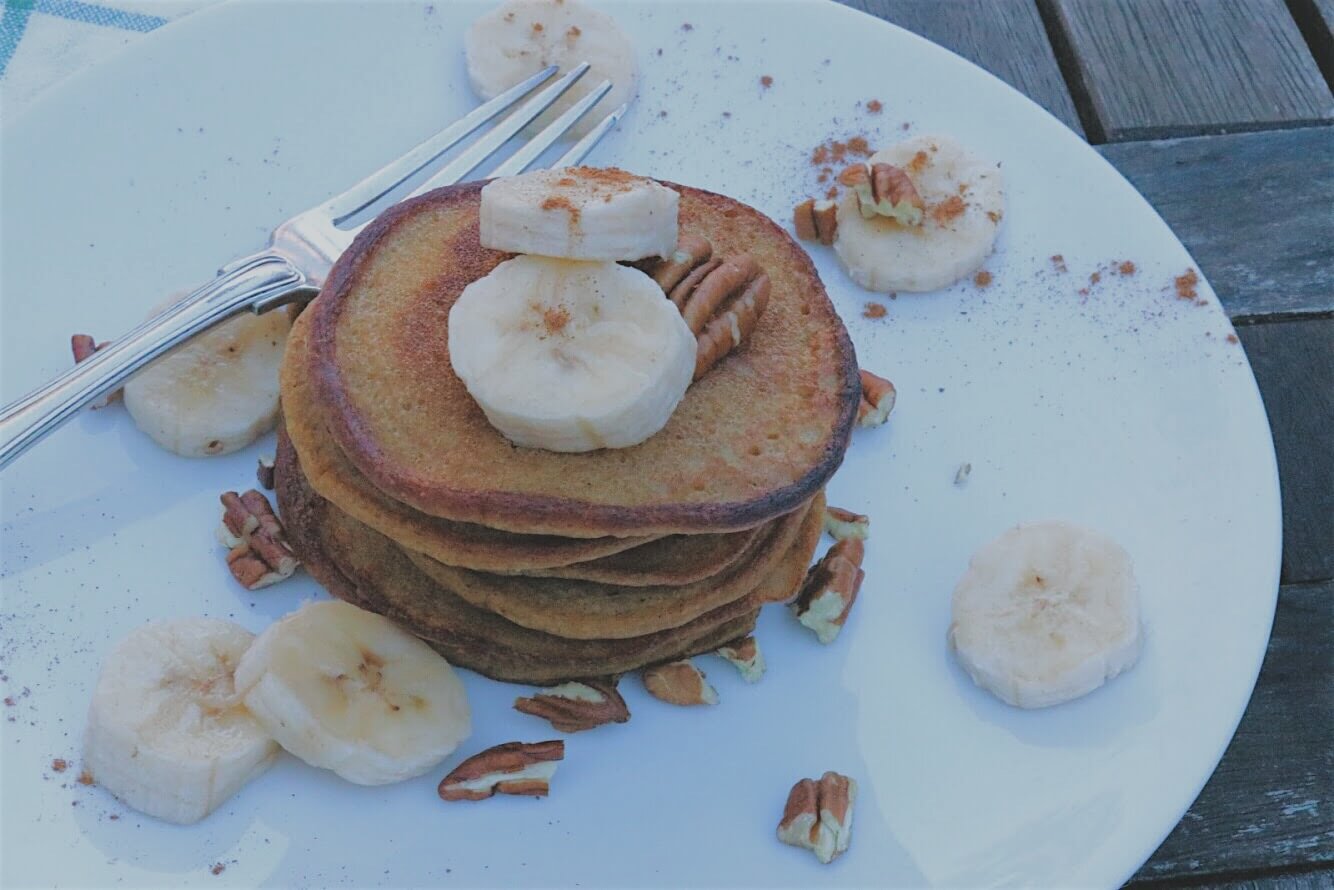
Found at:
(358, 565)
(589, 610)
(754, 439)
(675, 559)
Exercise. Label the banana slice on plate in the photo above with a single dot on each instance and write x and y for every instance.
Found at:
(522, 37)
(216, 393)
(579, 213)
(350, 691)
(571, 356)
(1046, 612)
(964, 201)
(166, 732)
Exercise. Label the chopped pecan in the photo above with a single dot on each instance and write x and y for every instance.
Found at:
(885, 190)
(878, 397)
(733, 326)
(512, 768)
(83, 347)
(259, 554)
(830, 589)
(818, 815)
(844, 524)
(816, 220)
(679, 683)
(745, 654)
(578, 705)
(691, 252)
(264, 471)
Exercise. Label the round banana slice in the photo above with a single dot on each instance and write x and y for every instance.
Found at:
(350, 691)
(521, 37)
(166, 732)
(571, 356)
(1047, 612)
(964, 203)
(579, 213)
(216, 393)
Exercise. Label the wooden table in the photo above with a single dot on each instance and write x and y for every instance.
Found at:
(1235, 96)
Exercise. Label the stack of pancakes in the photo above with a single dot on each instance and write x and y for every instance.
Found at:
(535, 566)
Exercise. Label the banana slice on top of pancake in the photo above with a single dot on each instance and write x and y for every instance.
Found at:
(571, 356)
(895, 243)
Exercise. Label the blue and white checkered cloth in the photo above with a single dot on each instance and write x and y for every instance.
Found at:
(44, 41)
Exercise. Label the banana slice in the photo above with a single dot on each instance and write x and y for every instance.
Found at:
(216, 393)
(580, 213)
(571, 356)
(349, 690)
(1046, 613)
(166, 732)
(522, 37)
(964, 204)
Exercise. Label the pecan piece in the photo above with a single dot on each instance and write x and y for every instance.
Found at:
(512, 768)
(692, 251)
(844, 524)
(746, 656)
(258, 554)
(816, 220)
(83, 347)
(830, 589)
(733, 326)
(264, 471)
(726, 279)
(885, 190)
(679, 683)
(578, 705)
(818, 815)
(878, 396)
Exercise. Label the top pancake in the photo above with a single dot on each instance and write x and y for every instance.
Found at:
(754, 439)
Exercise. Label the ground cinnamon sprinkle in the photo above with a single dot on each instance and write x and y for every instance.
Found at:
(832, 193)
(859, 146)
(537, 28)
(918, 162)
(948, 209)
(9, 701)
(1185, 285)
(1126, 268)
(573, 32)
(1232, 338)
(993, 216)
(218, 868)
(1095, 278)
(982, 279)
(59, 765)
(766, 81)
(86, 778)
(1058, 263)
(875, 106)
(820, 155)
(555, 318)
(874, 310)
(559, 202)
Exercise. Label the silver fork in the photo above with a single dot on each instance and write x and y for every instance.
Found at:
(302, 250)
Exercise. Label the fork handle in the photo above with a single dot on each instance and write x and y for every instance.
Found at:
(255, 283)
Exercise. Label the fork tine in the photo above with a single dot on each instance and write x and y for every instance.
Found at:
(384, 180)
(486, 146)
(524, 157)
(581, 148)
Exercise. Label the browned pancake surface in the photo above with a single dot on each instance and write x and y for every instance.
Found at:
(753, 440)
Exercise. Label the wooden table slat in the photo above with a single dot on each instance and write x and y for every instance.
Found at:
(1161, 68)
(1006, 37)
(1254, 210)
(1268, 805)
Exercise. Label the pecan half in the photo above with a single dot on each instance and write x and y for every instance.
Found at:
(885, 190)
(844, 524)
(746, 656)
(878, 396)
(264, 471)
(691, 252)
(830, 589)
(816, 220)
(512, 768)
(83, 347)
(727, 280)
(818, 815)
(733, 326)
(679, 683)
(259, 554)
(578, 705)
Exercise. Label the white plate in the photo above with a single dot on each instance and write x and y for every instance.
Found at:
(1128, 410)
